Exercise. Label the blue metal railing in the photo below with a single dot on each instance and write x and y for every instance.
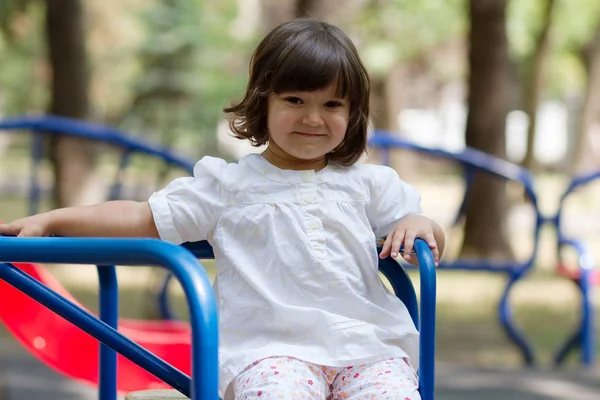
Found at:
(108, 252)
(426, 324)
(204, 383)
(584, 335)
(90, 131)
(403, 288)
(473, 160)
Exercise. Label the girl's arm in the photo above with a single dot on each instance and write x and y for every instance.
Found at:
(120, 218)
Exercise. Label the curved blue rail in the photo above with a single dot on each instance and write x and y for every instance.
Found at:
(91, 131)
(197, 288)
(584, 336)
(50, 124)
(193, 279)
(403, 288)
(474, 160)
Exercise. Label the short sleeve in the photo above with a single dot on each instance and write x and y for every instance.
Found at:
(391, 199)
(188, 209)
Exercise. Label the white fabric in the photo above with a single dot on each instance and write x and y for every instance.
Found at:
(296, 259)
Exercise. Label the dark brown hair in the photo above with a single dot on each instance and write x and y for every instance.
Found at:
(305, 55)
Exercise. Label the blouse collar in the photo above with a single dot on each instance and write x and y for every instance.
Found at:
(270, 171)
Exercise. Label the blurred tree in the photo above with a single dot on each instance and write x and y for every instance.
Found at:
(22, 80)
(162, 94)
(191, 63)
(488, 103)
(72, 158)
(573, 24)
(533, 82)
(584, 157)
(411, 49)
(276, 12)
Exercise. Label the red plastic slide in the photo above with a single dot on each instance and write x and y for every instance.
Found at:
(72, 352)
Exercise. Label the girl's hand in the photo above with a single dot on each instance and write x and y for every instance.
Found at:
(33, 226)
(409, 228)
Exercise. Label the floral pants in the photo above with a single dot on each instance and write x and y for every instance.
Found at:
(290, 379)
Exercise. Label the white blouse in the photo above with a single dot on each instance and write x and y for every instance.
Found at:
(296, 259)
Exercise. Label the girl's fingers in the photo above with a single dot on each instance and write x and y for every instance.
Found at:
(397, 242)
(9, 229)
(391, 246)
(430, 239)
(409, 242)
(385, 249)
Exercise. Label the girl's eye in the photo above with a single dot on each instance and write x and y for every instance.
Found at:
(293, 100)
(333, 104)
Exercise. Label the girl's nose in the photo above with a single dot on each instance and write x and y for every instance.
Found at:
(313, 117)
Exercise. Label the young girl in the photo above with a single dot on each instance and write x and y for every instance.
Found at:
(302, 311)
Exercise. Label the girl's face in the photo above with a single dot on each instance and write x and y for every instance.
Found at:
(304, 127)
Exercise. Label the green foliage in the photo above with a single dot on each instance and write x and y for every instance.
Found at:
(9, 9)
(576, 23)
(22, 79)
(394, 30)
(186, 73)
(573, 25)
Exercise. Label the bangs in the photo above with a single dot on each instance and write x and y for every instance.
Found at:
(309, 65)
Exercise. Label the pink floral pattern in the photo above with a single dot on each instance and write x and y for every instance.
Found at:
(289, 378)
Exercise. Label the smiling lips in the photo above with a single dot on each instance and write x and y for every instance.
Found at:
(308, 134)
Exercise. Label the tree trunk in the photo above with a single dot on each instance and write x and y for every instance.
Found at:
(489, 81)
(72, 159)
(584, 157)
(275, 12)
(306, 8)
(533, 82)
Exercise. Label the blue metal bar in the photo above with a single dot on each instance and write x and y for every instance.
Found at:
(475, 160)
(193, 278)
(404, 290)
(402, 286)
(588, 350)
(164, 305)
(469, 176)
(570, 344)
(507, 322)
(468, 156)
(584, 335)
(109, 314)
(427, 275)
(87, 130)
(96, 328)
(202, 250)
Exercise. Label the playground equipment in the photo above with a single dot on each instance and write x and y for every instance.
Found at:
(78, 361)
(476, 161)
(42, 332)
(584, 275)
(53, 125)
(70, 351)
(471, 160)
(106, 253)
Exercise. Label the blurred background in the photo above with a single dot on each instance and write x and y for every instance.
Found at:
(517, 79)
